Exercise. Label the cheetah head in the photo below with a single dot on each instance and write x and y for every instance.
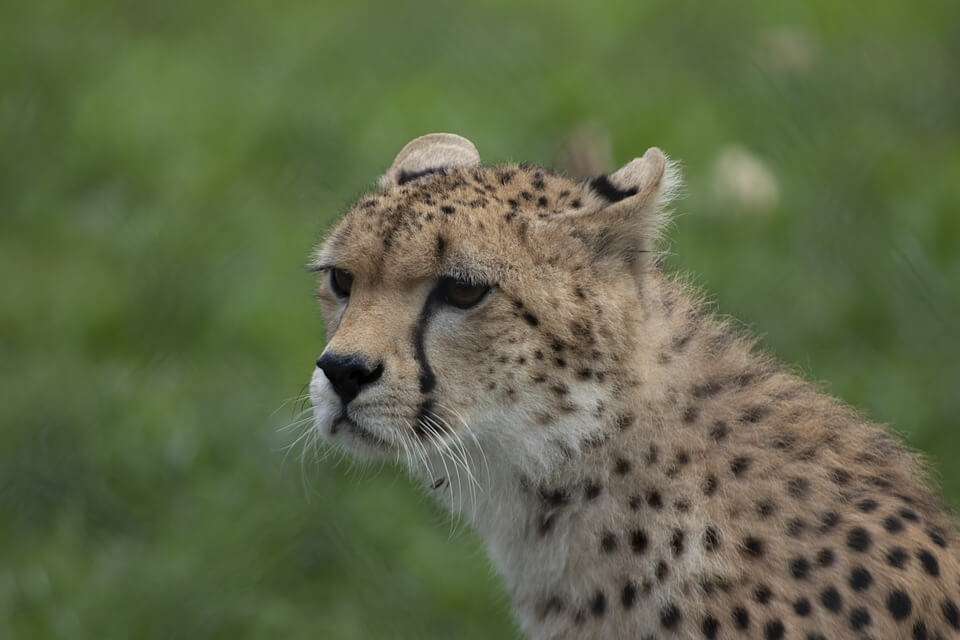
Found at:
(467, 303)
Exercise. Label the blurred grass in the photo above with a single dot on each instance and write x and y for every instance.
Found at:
(166, 167)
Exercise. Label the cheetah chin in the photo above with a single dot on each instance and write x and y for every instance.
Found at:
(634, 466)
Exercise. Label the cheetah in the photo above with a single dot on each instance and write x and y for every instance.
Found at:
(635, 468)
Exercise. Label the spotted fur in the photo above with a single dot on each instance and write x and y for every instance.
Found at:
(635, 468)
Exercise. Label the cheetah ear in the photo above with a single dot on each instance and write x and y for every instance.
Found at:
(432, 153)
(623, 213)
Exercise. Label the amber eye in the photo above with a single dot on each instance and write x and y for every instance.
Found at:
(460, 293)
(341, 281)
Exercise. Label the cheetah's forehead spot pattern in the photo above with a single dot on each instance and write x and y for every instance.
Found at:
(495, 209)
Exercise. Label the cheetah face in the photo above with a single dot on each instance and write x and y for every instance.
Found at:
(466, 303)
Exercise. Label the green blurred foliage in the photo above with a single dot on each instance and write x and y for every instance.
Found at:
(167, 166)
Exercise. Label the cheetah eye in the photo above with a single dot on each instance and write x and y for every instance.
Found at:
(341, 281)
(461, 294)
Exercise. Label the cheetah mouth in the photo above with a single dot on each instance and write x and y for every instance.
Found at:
(349, 425)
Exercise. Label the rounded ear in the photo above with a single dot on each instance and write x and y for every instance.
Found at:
(649, 180)
(623, 212)
(432, 153)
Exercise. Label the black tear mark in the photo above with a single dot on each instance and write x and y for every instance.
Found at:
(427, 379)
(420, 426)
(440, 247)
(605, 188)
(406, 176)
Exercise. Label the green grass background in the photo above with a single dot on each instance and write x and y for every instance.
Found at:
(165, 168)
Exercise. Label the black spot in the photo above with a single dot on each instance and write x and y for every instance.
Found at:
(893, 524)
(766, 508)
(621, 467)
(662, 570)
(711, 539)
(858, 539)
(676, 542)
(828, 520)
(653, 454)
(635, 502)
(840, 476)
(825, 557)
(741, 619)
(709, 388)
(719, 430)
(670, 616)
(867, 506)
(690, 414)
(531, 319)
(773, 630)
(592, 490)
(710, 485)
(608, 542)
(552, 604)
(919, 630)
(561, 362)
(799, 568)
(407, 176)
(709, 627)
(801, 606)
(936, 537)
(599, 604)
(929, 562)
(440, 248)
(860, 579)
(654, 499)
(950, 613)
(859, 618)
(897, 557)
(753, 547)
(546, 523)
(542, 201)
(754, 414)
(795, 527)
(447, 209)
(908, 514)
(762, 594)
(798, 487)
(603, 186)
(899, 604)
(739, 465)
(555, 497)
(831, 599)
(629, 594)
(625, 421)
(638, 541)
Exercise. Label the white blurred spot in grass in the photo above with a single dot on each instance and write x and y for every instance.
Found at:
(744, 183)
(788, 49)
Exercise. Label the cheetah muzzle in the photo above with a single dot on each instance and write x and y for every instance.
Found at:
(634, 467)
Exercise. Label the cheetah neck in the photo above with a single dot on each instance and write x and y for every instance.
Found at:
(537, 513)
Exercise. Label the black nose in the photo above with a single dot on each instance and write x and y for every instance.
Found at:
(348, 374)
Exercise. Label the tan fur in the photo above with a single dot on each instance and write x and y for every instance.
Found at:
(635, 469)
